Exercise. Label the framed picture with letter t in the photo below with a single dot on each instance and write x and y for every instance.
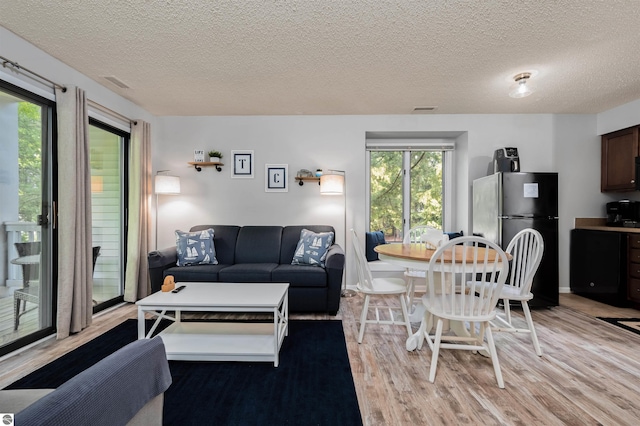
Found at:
(242, 164)
(276, 176)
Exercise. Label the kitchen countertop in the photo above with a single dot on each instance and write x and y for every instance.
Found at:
(600, 224)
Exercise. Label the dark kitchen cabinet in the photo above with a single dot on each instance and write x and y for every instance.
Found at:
(619, 150)
(633, 282)
(599, 265)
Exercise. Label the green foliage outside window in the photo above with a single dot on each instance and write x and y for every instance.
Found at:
(426, 189)
(29, 161)
(386, 193)
(386, 202)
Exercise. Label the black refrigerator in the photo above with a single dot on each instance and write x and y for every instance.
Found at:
(506, 203)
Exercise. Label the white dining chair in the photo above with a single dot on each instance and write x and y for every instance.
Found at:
(370, 286)
(526, 249)
(464, 280)
(424, 235)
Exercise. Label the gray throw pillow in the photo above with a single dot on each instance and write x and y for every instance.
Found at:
(196, 248)
(312, 248)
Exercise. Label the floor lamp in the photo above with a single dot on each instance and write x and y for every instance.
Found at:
(165, 185)
(333, 182)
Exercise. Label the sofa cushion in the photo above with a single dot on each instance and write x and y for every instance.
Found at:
(291, 236)
(247, 273)
(196, 273)
(258, 244)
(312, 248)
(195, 248)
(373, 239)
(300, 275)
(224, 240)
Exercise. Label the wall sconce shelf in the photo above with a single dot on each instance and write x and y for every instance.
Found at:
(301, 180)
(198, 165)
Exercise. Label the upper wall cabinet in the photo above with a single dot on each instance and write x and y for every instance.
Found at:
(619, 151)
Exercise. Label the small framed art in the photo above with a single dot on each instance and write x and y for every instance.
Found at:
(198, 155)
(276, 176)
(242, 164)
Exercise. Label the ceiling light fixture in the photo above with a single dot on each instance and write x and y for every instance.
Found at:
(523, 87)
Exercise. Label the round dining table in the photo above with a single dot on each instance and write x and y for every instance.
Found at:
(417, 256)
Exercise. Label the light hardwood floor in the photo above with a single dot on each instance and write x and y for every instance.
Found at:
(589, 373)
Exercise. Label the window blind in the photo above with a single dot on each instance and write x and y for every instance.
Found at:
(410, 144)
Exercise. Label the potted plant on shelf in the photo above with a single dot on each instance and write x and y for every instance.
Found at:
(215, 156)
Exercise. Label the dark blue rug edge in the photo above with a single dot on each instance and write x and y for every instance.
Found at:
(333, 413)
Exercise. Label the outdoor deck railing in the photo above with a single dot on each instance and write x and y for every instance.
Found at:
(17, 232)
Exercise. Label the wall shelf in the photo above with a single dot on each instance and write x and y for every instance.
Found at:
(198, 165)
(301, 180)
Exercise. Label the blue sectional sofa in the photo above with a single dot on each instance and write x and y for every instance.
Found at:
(261, 254)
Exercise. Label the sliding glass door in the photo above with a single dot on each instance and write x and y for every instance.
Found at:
(108, 203)
(28, 246)
(27, 305)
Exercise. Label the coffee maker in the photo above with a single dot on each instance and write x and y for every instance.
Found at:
(625, 213)
(506, 160)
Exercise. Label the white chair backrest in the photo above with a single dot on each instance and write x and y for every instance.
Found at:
(526, 249)
(365, 279)
(470, 266)
(428, 235)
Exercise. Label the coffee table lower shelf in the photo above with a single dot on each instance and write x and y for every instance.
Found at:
(222, 341)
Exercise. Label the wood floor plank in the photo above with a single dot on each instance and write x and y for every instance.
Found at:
(589, 373)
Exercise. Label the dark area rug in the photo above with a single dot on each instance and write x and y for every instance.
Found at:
(311, 386)
(631, 324)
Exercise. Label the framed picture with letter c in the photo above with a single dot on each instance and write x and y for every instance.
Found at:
(276, 176)
(242, 164)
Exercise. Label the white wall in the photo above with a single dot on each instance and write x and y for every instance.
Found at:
(577, 158)
(618, 118)
(326, 142)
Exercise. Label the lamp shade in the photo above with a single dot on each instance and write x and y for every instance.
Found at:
(167, 184)
(331, 184)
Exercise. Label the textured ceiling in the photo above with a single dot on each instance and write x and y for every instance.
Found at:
(274, 57)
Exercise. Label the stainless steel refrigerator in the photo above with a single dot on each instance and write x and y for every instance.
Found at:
(506, 203)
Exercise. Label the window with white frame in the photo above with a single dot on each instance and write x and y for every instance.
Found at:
(409, 184)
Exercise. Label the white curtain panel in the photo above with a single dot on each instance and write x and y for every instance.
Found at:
(137, 284)
(75, 281)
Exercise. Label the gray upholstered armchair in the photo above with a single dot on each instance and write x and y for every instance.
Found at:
(127, 387)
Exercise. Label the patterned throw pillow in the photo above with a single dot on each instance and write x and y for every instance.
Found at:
(196, 248)
(312, 248)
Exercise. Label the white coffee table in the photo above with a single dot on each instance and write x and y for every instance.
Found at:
(219, 341)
